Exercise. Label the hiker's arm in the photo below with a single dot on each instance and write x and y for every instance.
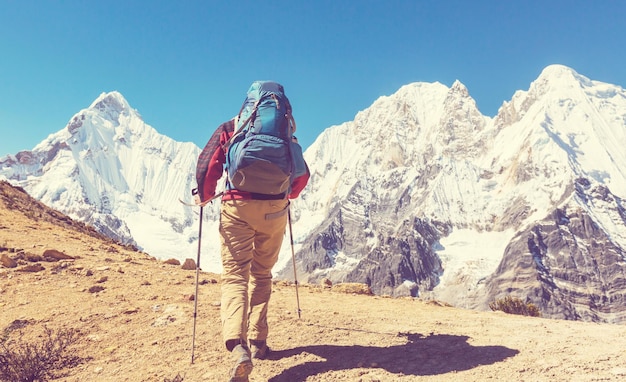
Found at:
(216, 167)
(299, 183)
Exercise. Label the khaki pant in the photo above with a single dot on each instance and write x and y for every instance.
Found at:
(252, 233)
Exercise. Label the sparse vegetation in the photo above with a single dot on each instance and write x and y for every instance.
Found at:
(514, 305)
(354, 288)
(40, 359)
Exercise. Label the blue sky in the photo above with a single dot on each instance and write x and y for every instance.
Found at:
(186, 65)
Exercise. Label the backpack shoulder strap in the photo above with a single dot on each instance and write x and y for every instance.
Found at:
(239, 129)
(292, 123)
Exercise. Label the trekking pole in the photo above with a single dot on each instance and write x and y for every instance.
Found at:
(293, 259)
(195, 299)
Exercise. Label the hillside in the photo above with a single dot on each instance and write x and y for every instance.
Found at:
(139, 326)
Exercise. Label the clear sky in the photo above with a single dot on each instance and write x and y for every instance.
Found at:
(186, 65)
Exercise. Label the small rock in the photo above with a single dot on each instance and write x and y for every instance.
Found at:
(352, 288)
(102, 279)
(7, 262)
(16, 324)
(31, 268)
(33, 258)
(208, 281)
(326, 283)
(172, 262)
(189, 265)
(96, 289)
(164, 320)
(64, 264)
(93, 337)
(110, 349)
(55, 255)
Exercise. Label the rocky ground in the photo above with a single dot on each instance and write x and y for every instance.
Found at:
(134, 316)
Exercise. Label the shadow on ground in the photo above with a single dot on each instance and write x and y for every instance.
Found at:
(421, 355)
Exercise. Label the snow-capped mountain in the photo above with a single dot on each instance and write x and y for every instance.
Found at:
(420, 195)
(110, 169)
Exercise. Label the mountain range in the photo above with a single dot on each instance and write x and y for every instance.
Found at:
(420, 195)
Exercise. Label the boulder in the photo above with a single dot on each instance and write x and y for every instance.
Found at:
(7, 262)
(189, 265)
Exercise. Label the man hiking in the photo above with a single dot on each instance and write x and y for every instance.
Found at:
(265, 168)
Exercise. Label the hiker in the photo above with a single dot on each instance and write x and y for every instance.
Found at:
(254, 213)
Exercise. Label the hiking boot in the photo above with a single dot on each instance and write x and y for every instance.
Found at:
(259, 349)
(243, 364)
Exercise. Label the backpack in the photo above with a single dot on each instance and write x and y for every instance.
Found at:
(262, 155)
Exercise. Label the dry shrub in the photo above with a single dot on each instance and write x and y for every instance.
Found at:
(41, 359)
(356, 288)
(514, 305)
(177, 378)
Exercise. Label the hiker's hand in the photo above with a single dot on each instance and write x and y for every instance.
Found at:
(201, 203)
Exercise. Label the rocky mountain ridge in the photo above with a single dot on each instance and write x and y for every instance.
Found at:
(429, 166)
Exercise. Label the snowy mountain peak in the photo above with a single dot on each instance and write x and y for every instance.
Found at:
(111, 108)
(557, 70)
(557, 73)
(113, 100)
(560, 79)
(113, 105)
(557, 87)
(458, 87)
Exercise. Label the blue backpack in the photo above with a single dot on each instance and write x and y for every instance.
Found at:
(262, 155)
